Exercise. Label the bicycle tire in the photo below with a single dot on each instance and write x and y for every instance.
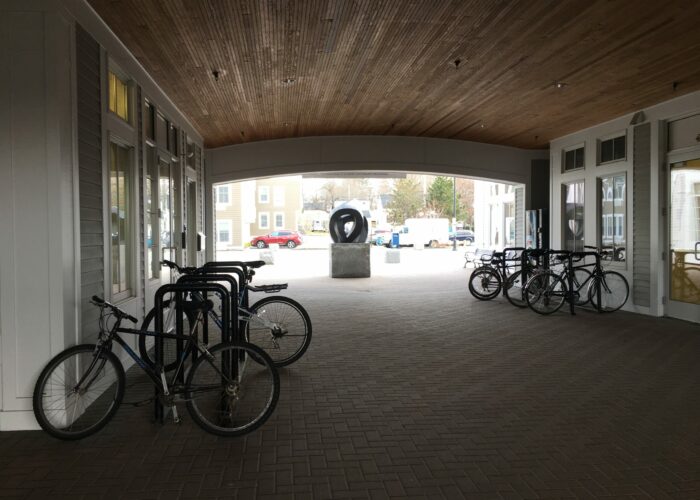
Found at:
(232, 407)
(293, 322)
(545, 293)
(614, 291)
(52, 397)
(515, 291)
(170, 360)
(485, 283)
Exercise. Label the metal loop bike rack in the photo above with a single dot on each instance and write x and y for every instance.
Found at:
(179, 289)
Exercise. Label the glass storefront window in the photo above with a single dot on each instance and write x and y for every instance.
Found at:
(572, 217)
(120, 220)
(613, 216)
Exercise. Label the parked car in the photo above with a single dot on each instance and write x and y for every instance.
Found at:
(290, 239)
(463, 235)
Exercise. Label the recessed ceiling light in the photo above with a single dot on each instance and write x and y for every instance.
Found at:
(288, 81)
(560, 85)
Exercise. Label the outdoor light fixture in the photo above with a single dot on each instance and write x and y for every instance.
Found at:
(288, 81)
(560, 85)
(638, 117)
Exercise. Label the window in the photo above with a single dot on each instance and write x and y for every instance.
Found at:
(279, 220)
(119, 97)
(263, 194)
(573, 207)
(612, 149)
(150, 121)
(613, 211)
(152, 219)
(222, 195)
(120, 220)
(223, 231)
(573, 159)
(264, 220)
(278, 196)
(172, 140)
(509, 223)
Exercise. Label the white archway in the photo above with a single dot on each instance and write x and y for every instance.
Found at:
(366, 153)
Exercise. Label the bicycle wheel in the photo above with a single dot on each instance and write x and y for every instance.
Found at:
(515, 289)
(545, 293)
(485, 283)
(580, 279)
(229, 396)
(614, 291)
(78, 392)
(146, 347)
(281, 327)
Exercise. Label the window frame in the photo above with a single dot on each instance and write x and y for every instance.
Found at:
(229, 228)
(564, 220)
(130, 290)
(600, 227)
(568, 149)
(275, 226)
(114, 69)
(228, 195)
(606, 138)
(260, 224)
(266, 190)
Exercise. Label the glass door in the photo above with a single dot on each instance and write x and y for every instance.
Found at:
(191, 226)
(165, 208)
(684, 240)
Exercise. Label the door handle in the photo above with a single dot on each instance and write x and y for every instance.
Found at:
(697, 250)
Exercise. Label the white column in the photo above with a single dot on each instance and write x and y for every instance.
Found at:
(38, 278)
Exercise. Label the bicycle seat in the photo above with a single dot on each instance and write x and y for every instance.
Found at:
(255, 264)
(268, 288)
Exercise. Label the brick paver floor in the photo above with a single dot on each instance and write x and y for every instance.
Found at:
(411, 388)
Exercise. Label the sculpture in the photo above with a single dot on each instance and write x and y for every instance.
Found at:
(348, 225)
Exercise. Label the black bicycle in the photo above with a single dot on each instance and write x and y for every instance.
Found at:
(81, 388)
(547, 291)
(488, 280)
(278, 325)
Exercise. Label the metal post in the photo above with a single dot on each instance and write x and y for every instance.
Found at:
(454, 214)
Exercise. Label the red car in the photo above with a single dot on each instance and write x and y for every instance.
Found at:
(290, 239)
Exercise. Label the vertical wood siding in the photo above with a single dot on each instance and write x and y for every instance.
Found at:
(641, 269)
(90, 178)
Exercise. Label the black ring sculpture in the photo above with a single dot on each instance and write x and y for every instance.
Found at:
(338, 226)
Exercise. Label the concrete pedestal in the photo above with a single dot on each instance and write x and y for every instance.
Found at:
(392, 256)
(349, 260)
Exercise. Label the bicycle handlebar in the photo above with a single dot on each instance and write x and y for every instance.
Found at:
(119, 313)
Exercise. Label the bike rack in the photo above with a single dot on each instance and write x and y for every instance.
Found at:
(525, 256)
(240, 270)
(234, 330)
(596, 282)
(505, 260)
(179, 289)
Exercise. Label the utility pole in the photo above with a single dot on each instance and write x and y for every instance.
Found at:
(454, 214)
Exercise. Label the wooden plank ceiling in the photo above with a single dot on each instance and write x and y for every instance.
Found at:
(481, 70)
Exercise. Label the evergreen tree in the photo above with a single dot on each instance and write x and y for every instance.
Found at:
(440, 197)
(406, 202)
